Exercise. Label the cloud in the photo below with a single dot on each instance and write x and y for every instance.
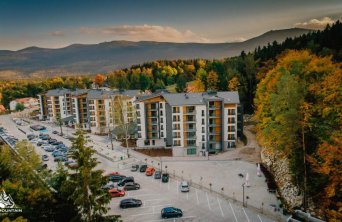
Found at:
(57, 33)
(145, 33)
(318, 24)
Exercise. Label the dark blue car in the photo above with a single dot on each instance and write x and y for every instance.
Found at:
(169, 212)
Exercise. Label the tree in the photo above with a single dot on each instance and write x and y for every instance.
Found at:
(212, 80)
(180, 84)
(89, 197)
(59, 122)
(19, 107)
(99, 80)
(125, 126)
(233, 84)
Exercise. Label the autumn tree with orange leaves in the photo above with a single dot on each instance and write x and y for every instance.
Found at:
(99, 80)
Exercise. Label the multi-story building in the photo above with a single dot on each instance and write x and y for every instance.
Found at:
(43, 108)
(58, 104)
(191, 124)
(80, 108)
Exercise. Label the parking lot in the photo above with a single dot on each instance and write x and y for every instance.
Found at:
(197, 205)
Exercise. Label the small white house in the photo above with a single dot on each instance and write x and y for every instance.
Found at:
(28, 103)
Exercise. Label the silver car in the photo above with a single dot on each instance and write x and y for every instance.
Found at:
(184, 186)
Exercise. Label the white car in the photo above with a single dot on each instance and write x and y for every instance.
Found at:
(184, 186)
(35, 140)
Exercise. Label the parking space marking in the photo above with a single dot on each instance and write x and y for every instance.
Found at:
(155, 199)
(208, 200)
(170, 219)
(220, 206)
(259, 218)
(197, 197)
(137, 215)
(245, 214)
(233, 212)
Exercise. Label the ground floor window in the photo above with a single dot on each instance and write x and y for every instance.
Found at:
(191, 151)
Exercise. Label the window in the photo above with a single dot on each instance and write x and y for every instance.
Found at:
(231, 137)
(176, 118)
(231, 120)
(139, 135)
(176, 135)
(202, 121)
(153, 142)
(191, 151)
(161, 105)
(176, 126)
(161, 120)
(162, 134)
(231, 111)
(202, 112)
(161, 127)
(176, 143)
(203, 146)
(203, 130)
(231, 128)
(175, 109)
(203, 137)
(146, 142)
(161, 112)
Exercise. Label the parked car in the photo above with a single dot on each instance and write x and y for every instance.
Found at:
(45, 137)
(134, 168)
(45, 157)
(168, 212)
(108, 186)
(111, 173)
(157, 174)
(30, 136)
(56, 153)
(60, 158)
(116, 178)
(55, 132)
(125, 180)
(51, 141)
(49, 149)
(115, 192)
(131, 186)
(165, 177)
(40, 143)
(126, 203)
(150, 171)
(71, 164)
(184, 186)
(143, 168)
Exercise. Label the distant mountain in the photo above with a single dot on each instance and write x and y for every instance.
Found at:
(107, 56)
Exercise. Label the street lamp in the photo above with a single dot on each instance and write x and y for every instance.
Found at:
(243, 194)
(152, 162)
(166, 169)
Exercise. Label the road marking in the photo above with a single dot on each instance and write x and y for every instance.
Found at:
(233, 212)
(174, 219)
(245, 214)
(208, 200)
(136, 215)
(259, 218)
(197, 197)
(220, 206)
(146, 194)
(154, 199)
(164, 205)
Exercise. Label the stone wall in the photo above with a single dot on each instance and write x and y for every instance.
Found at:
(278, 165)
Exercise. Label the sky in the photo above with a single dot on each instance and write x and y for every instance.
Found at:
(59, 23)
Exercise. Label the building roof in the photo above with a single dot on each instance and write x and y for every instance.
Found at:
(24, 100)
(129, 93)
(57, 92)
(99, 94)
(180, 99)
(78, 92)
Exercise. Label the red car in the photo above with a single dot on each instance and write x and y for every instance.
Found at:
(115, 192)
(111, 173)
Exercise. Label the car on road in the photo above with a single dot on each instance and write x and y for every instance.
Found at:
(116, 178)
(150, 171)
(169, 212)
(115, 192)
(126, 180)
(60, 158)
(143, 168)
(134, 168)
(126, 203)
(165, 177)
(55, 132)
(184, 186)
(131, 186)
(157, 174)
(45, 157)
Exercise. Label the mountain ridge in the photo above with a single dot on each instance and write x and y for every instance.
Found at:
(107, 56)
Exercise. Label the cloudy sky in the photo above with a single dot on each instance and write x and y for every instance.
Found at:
(58, 23)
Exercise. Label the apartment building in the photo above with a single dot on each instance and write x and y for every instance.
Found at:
(192, 124)
(58, 104)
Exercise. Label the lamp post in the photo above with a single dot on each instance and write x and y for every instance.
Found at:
(166, 169)
(243, 194)
(152, 162)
